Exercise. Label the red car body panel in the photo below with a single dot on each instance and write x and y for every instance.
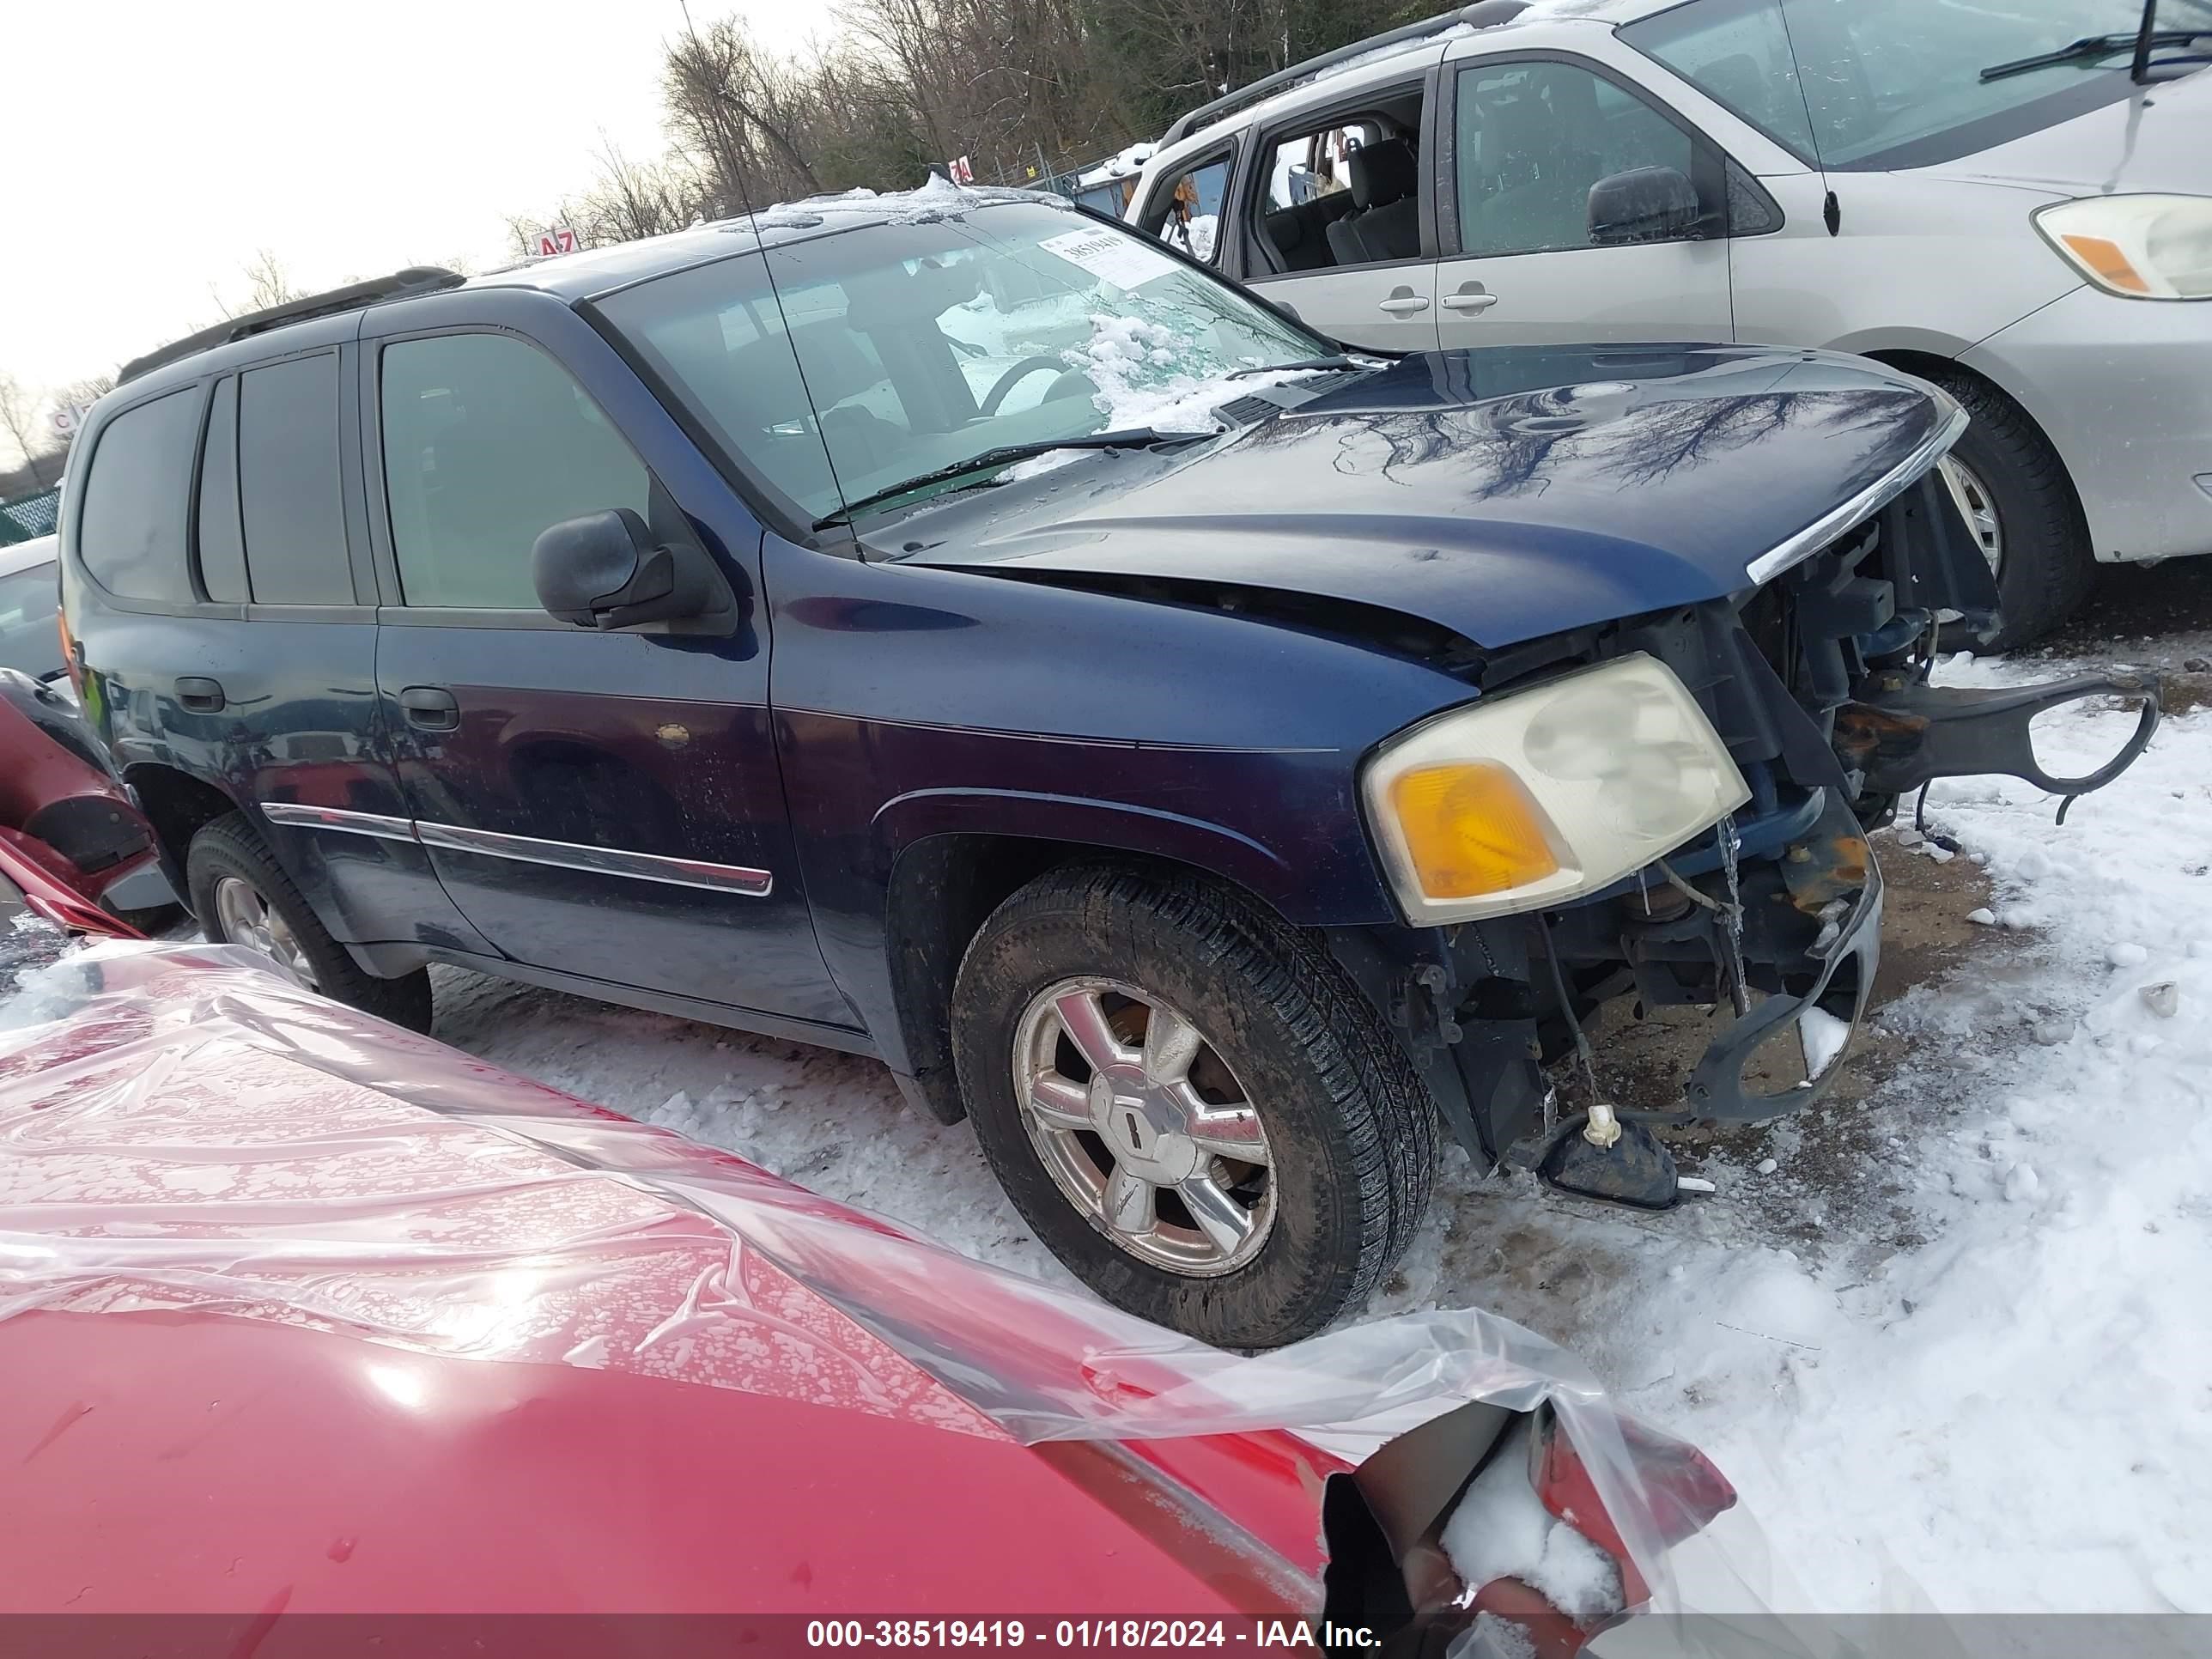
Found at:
(43, 782)
(31, 867)
(199, 1463)
(302, 1313)
(215, 1439)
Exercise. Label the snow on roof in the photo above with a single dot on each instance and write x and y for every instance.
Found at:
(1126, 165)
(938, 198)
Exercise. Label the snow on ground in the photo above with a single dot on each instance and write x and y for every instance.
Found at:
(1988, 1386)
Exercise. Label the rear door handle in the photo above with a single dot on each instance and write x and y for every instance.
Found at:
(201, 696)
(1402, 303)
(1470, 297)
(430, 707)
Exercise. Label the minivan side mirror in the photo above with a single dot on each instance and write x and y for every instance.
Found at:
(1643, 205)
(602, 570)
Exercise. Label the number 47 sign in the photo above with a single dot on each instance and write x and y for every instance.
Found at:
(559, 239)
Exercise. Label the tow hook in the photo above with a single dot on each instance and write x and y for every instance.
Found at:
(1900, 735)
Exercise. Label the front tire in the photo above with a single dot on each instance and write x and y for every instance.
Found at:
(1190, 1103)
(241, 895)
(2020, 506)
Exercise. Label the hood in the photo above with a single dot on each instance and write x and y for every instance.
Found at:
(2154, 140)
(1502, 494)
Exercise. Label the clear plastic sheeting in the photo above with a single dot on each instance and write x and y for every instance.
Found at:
(184, 1130)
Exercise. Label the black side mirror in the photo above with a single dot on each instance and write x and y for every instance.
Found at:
(1644, 205)
(602, 570)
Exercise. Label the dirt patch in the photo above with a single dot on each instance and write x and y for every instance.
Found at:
(2186, 693)
(1837, 1150)
(1924, 934)
(2139, 604)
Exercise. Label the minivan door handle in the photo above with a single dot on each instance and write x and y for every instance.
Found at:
(1470, 297)
(430, 707)
(201, 696)
(1402, 303)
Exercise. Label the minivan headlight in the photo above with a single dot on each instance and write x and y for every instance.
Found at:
(2142, 248)
(1543, 795)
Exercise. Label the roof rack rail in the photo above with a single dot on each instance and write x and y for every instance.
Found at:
(354, 296)
(1482, 15)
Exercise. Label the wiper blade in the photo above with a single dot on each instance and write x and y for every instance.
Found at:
(1335, 360)
(990, 461)
(2089, 49)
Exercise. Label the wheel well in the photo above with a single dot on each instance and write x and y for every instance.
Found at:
(179, 807)
(1933, 366)
(942, 890)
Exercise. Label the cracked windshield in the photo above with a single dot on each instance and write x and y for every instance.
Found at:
(925, 344)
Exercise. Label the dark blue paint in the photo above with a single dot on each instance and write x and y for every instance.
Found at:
(862, 710)
(1505, 494)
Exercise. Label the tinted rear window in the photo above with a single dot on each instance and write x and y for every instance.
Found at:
(287, 483)
(136, 495)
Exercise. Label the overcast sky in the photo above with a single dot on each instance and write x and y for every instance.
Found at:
(153, 147)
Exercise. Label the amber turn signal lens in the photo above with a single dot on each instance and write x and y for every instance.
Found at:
(2105, 258)
(1470, 829)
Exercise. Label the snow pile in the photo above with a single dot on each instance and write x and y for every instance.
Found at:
(1501, 1529)
(1135, 364)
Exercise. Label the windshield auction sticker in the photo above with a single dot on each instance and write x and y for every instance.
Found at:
(1112, 256)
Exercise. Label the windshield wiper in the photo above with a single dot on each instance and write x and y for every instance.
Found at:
(2090, 48)
(1335, 360)
(990, 461)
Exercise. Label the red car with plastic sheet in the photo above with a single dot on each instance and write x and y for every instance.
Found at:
(305, 1313)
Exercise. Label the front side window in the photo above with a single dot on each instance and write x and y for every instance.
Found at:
(1187, 214)
(1533, 138)
(137, 495)
(925, 344)
(1871, 83)
(488, 442)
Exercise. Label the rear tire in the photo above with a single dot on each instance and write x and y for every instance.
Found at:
(1349, 1131)
(229, 850)
(2048, 566)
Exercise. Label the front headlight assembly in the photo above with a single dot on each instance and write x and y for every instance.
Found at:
(1547, 794)
(2142, 248)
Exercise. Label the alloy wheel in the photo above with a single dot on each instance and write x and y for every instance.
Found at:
(1144, 1126)
(245, 918)
(1977, 507)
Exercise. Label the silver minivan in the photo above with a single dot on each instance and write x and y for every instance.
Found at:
(2012, 198)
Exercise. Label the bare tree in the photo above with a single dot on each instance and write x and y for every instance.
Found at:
(267, 284)
(19, 419)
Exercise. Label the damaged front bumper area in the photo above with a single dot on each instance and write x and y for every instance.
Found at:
(1817, 683)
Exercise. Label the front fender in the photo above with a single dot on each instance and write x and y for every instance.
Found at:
(1110, 826)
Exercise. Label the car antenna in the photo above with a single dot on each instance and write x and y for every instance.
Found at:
(2139, 74)
(752, 217)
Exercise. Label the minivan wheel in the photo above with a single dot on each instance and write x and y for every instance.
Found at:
(242, 896)
(2020, 506)
(1190, 1103)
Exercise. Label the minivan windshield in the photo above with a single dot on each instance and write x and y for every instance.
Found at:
(925, 341)
(1891, 83)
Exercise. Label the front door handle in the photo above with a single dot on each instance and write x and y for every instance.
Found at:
(1470, 297)
(201, 696)
(430, 708)
(1402, 303)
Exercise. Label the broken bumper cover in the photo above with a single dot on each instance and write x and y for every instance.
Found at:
(1902, 735)
(1847, 962)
